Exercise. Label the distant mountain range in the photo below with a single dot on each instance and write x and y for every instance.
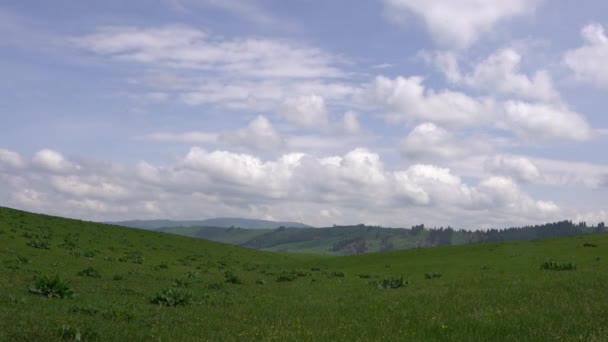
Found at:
(345, 240)
(221, 222)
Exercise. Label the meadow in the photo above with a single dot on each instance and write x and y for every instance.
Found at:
(64, 279)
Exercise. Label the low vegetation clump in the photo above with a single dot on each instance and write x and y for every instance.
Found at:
(391, 283)
(51, 287)
(133, 257)
(172, 297)
(552, 265)
(286, 276)
(39, 244)
(232, 278)
(432, 275)
(89, 272)
(69, 333)
(338, 274)
(588, 244)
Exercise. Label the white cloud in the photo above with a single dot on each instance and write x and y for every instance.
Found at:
(498, 73)
(185, 47)
(306, 111)
(350, 123)
(406, 100)
(518, 167)
(461, 23)
(185, 137)
(53, 161)
(546, 122)
(95, 187)
(589, 61)
(428, 141)
(259, 135)
(356, 185)
(11, 159)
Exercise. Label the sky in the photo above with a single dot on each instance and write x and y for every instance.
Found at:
(471, 114)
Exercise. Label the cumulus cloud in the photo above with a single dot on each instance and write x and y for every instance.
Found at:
(53, 161)
(298, 186)
(405, 99)
(588, 62)
(546, 122)
(461, 23)
(498, 73)
(259, 135)
(428, 141)
(517, 167)
(10, 159)
(306, 111)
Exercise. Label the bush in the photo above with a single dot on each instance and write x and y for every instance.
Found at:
(283, 277)
(364, 276)
(39, 244)
(172, 297)
(118, 277)
(51, 288)
(133, 256)
(89, 272)
(69, 333)
(232, 278)
(181, 283)
(338, 274)
(260, 282)
(588, 244)
(391, 283)
(432, 275)
(553, 265)
(191, 275)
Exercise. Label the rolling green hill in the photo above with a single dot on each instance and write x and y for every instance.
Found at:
(140, 285)
(359, 239)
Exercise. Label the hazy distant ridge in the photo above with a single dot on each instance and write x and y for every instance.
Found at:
(222, 222)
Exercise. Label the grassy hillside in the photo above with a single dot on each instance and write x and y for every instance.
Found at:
(475, 292)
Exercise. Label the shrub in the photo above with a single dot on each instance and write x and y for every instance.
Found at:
(191, 275)
(216, 286)
(553, 265)
(89, 272)
(162, 266)
(260, 282)
(364, 276)
(69, 333)
(172, 297)
(232, 278)
(181, 283)
(132, 256)
(338, 274)
(432, 275)
(391, 283)
(51, 287)
(90, 254)
(315, 269)
(69, 242)
(118, 277)
(588, 244)
(39, 244)
(283, 277)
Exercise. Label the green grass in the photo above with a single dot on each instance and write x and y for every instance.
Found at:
(486, 292)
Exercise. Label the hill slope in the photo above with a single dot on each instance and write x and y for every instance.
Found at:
(221, 222)
(485, 292)
(348, 240)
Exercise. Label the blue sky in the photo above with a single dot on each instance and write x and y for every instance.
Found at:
(474, 114)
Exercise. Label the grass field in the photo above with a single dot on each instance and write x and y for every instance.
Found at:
(484, 292)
